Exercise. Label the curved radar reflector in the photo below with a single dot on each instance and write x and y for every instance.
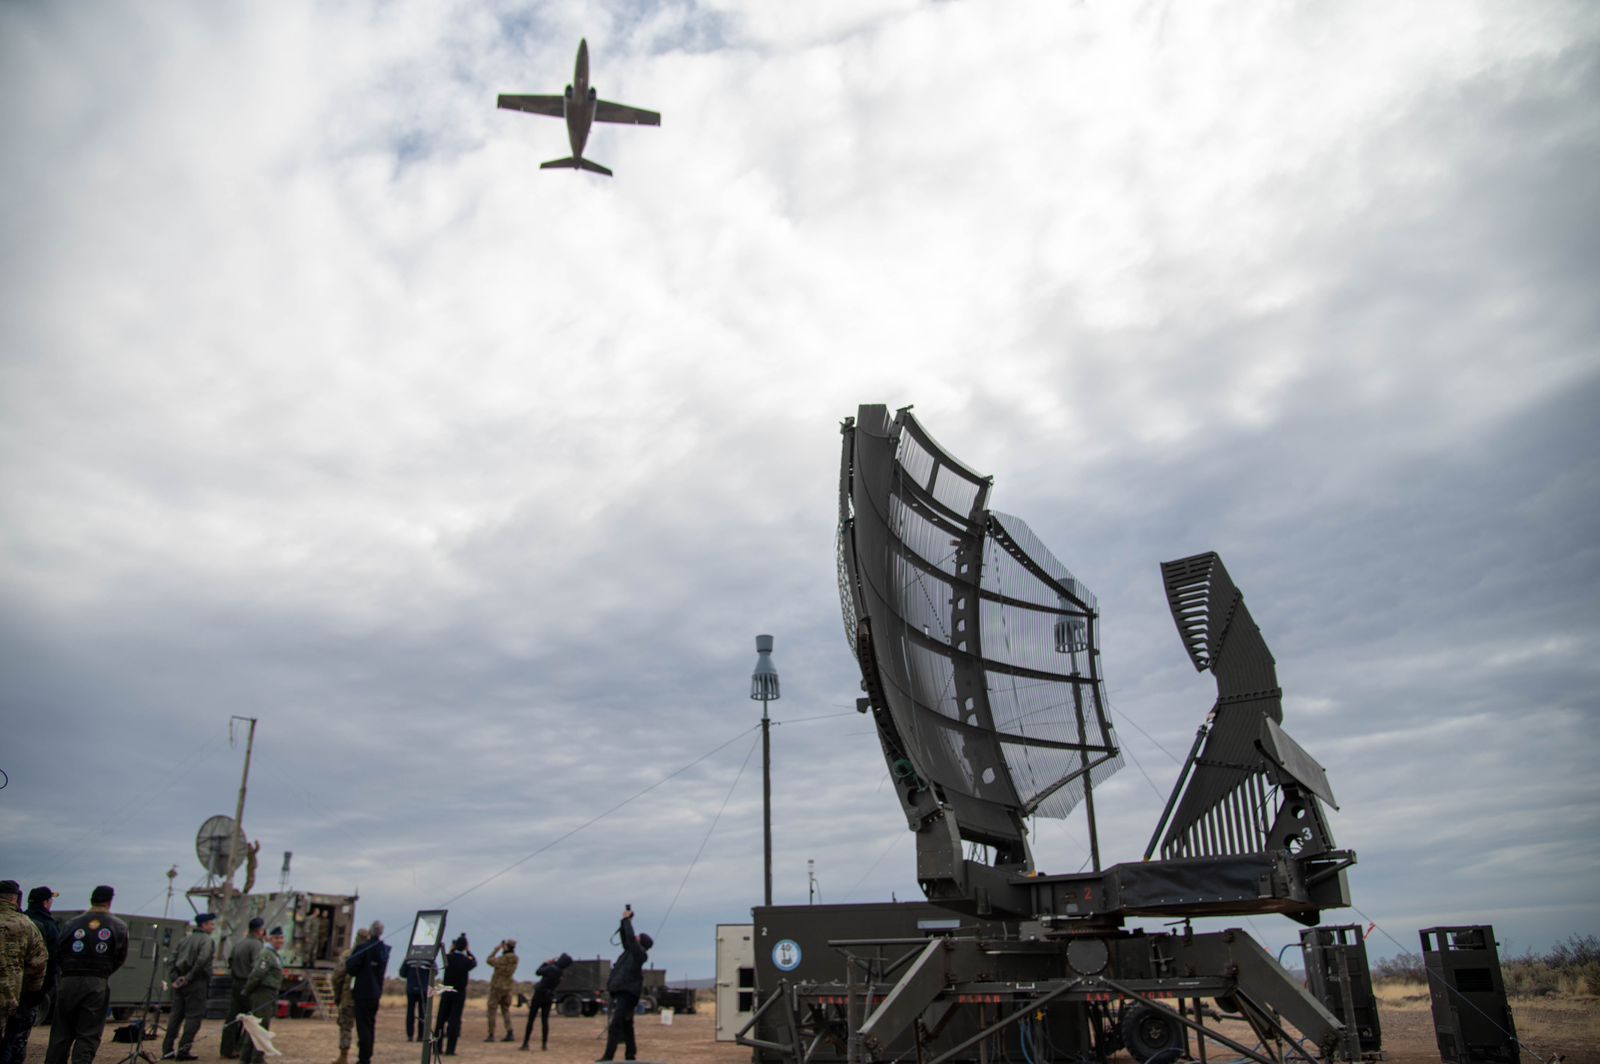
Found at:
(984, 647)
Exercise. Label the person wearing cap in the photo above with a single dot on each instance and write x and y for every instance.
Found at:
(503, 959)
(242, 957)
(23, 958)
(544, 995)
(189, 975)
(92, 947)
(624, 987)
(369, 965)
(457, 963)
(261, 991)
(34, 1003)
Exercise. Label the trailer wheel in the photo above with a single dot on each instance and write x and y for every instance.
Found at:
(570, 1006)
(1147, 1032)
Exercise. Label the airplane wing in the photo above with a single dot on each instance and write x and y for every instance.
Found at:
(537, 105)
(606, 111)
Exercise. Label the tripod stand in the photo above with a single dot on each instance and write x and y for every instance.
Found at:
(144, 1027)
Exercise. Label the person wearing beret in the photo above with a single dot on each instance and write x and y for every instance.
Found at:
(189, 975)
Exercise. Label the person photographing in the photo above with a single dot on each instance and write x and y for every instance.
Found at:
(625, 987)
(503, 959)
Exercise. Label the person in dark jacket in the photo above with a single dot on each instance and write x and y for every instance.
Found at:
(369, 964)
(189, 972)
(457, 963)
(416, 987)
(544, 995)
(625, 987)
(34, 1003)
(91, 948)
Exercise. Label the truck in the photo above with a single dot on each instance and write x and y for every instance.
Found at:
(583, 990)
(317, 929)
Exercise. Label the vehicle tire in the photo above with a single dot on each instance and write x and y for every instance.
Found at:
(1147, 1031)
(120, 1013)
(570, 1006)
(647, 1005)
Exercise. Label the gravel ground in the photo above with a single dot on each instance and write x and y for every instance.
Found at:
(1568, 1026)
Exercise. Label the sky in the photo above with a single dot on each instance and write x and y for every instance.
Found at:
(321, 404)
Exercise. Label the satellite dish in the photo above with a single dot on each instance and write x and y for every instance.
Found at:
(212, 843)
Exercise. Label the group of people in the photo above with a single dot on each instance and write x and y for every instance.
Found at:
(44, 963)
(625, 987)
(68, 965)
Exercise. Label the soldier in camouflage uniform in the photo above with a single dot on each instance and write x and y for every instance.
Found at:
(344, 1001)
(23, 958)
(503, 959)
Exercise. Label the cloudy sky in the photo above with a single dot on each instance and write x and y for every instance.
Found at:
(321, 404)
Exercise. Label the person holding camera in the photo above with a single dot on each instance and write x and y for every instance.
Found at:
(625, 987)
(457, 963)
(503, 959)
(544, 995)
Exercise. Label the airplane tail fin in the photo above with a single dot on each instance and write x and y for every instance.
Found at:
(575, 163)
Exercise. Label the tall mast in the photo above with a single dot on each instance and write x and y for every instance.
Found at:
(238, 812)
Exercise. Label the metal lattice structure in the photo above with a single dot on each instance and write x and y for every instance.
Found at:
(980, 663)
(994, 694)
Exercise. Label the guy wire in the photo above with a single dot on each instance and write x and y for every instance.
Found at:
(696, 858)
(594, 819)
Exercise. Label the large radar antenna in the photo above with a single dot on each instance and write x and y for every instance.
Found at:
(980, 659)
(978, 650)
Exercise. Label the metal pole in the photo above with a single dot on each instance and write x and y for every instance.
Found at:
(238, 812)
(766, 797)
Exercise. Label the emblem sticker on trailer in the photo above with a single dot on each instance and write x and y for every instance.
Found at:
(786, 955)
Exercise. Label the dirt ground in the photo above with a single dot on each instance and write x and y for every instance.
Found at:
(1567, 1026)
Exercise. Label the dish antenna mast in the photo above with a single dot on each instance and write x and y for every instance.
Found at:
(236, 840)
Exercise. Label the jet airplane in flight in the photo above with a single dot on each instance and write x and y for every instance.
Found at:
(581, 107)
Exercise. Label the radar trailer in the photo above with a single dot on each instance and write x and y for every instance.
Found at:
(980, 662)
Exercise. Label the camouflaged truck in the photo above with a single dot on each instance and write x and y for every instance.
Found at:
(317, 929)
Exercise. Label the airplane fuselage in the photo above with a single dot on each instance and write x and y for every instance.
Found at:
(579, 103)
(580, 107)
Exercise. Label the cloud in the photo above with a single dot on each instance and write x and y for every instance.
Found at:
(320, 403)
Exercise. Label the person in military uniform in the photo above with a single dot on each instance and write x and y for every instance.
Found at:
(343, 1001)
(544, 995)
(34, 1003)
(242, 959)
(624, 987)
(23, 958)
(189, 973)
(369, 964)
(92, 946)
(457, 963)
(503, 959)
(261, 992)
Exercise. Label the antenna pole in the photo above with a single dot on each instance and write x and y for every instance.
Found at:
(238, 812)
(766, 798)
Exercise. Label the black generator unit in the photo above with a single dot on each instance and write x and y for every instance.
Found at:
(1337, 973)
(1470, 1015)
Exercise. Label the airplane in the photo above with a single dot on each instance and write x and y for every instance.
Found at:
(581, 107)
